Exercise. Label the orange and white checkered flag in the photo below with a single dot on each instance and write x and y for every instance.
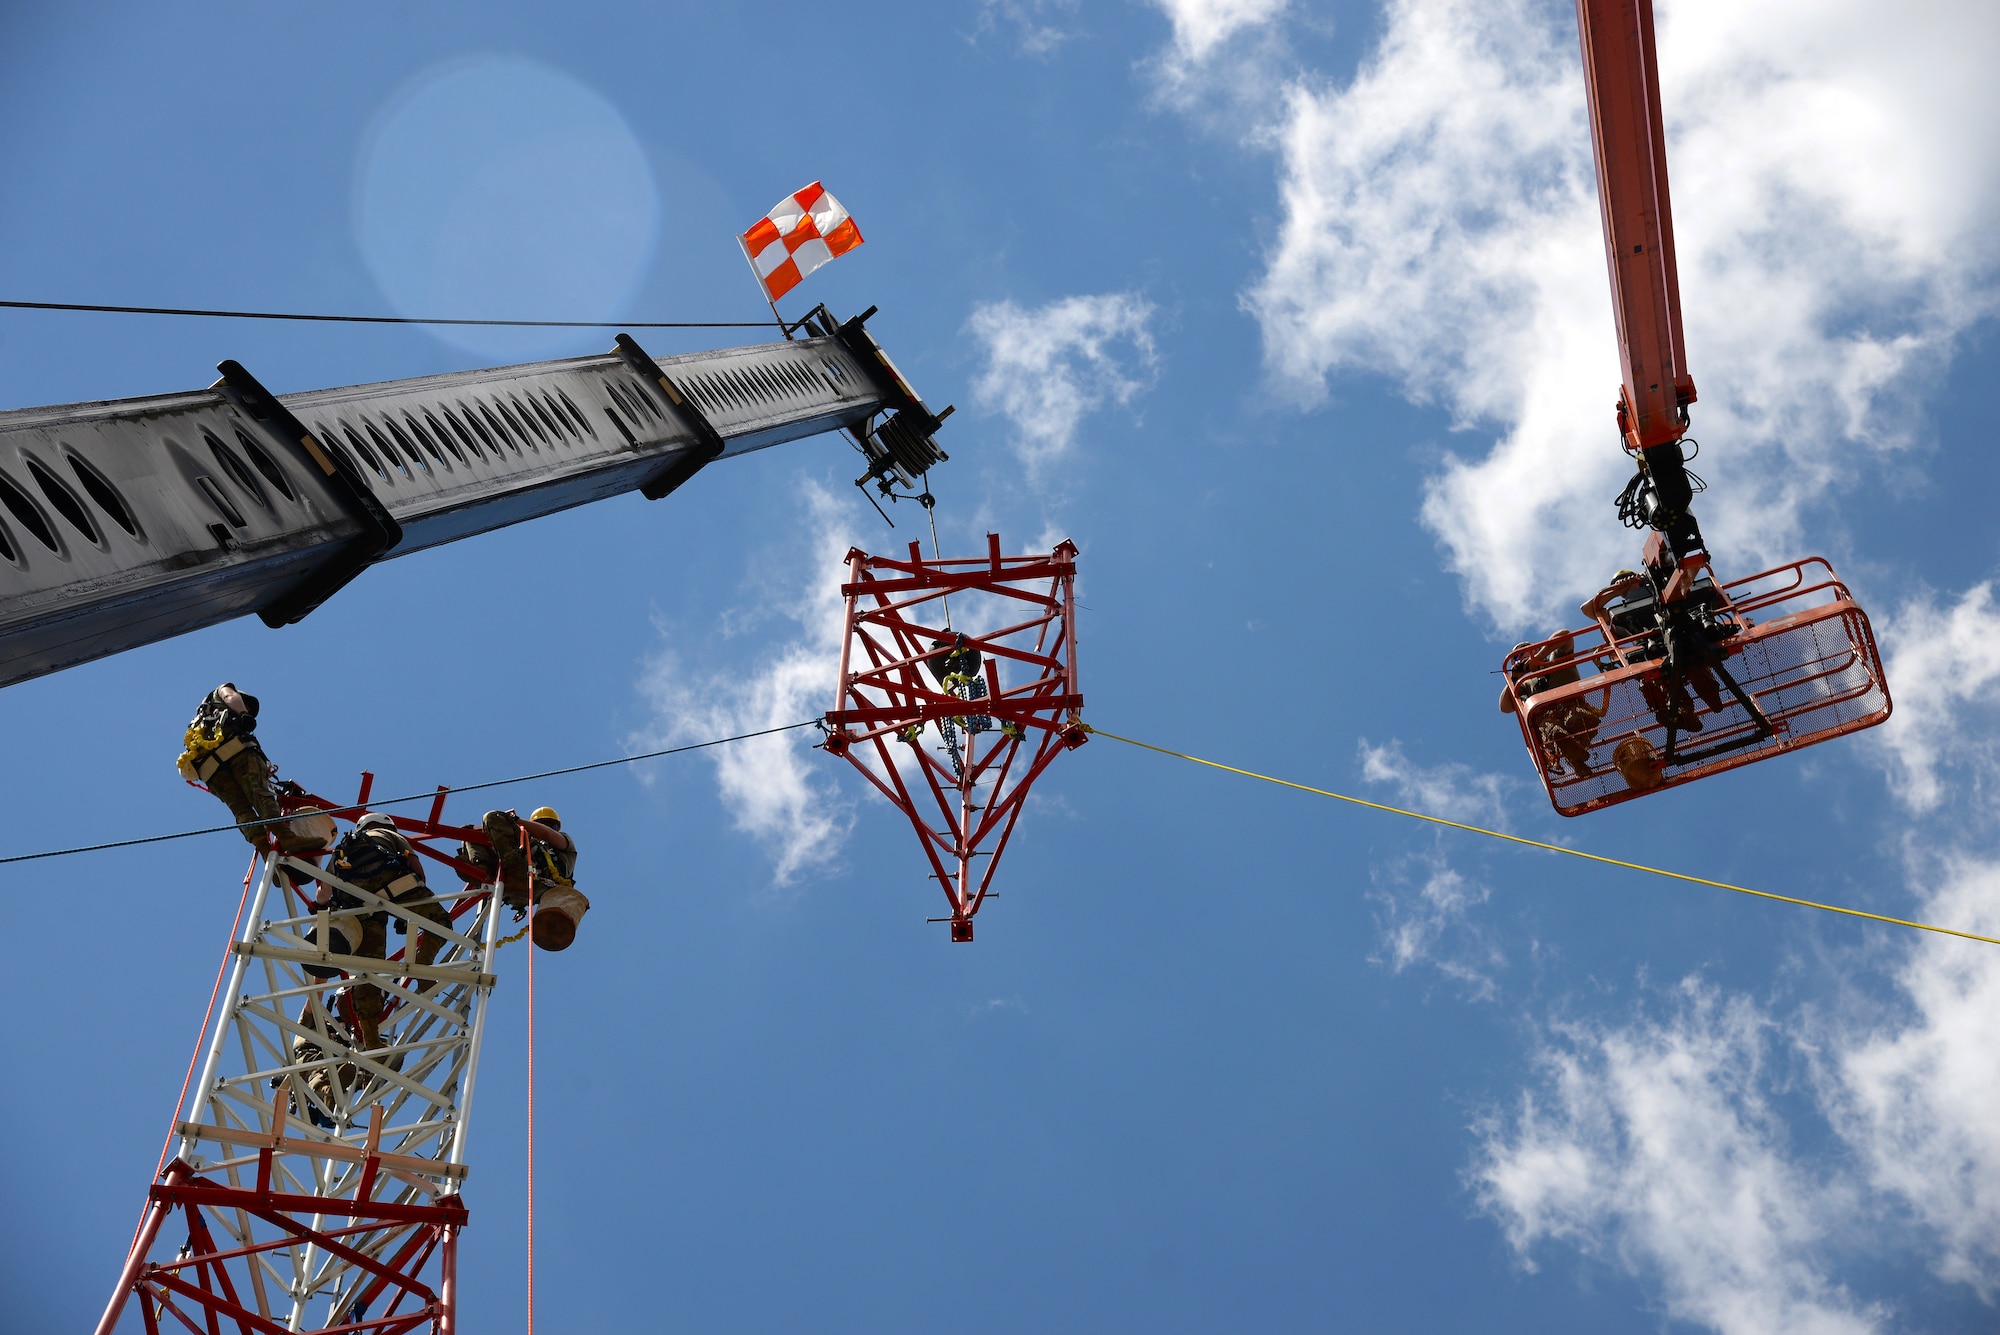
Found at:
(803, 232)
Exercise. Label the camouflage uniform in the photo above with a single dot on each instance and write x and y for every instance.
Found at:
(382, 862)
(221, 751)
(1569, 730)
(330, 1082)
(552, 866)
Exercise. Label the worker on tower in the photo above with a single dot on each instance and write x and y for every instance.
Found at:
(221, 751)
(957, 664)
(332, 1080)
(373, 857)
(551, 854)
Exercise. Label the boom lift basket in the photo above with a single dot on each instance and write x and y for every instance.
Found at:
(1608, 718)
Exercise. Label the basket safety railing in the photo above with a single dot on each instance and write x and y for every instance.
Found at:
(1606, 721)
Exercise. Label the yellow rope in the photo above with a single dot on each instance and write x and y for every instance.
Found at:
(1553, 848)
(510, 940)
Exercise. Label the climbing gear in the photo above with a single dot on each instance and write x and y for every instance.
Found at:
(218, 733)
(376, 860)
(370, 862)
(554, 865)
(206, 753)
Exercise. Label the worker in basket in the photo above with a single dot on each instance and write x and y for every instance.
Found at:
(1569, 729)
(546, 872)
(1630, 606)
(220, 750)
(373, 857)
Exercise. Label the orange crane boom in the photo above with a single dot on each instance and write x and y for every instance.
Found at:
(1622, 85)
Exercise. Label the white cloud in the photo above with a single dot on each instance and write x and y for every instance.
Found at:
(1030, 21)
(1426, 903)
(777, 789)
(1836, 173)
(1917, 1101)
(1836, 176)
(1653, 1146)
(1200, 26)
(1943, 665)
(1453, 790)
(1226, 61)
(1426, 919)
(1657, 1145)
(1049, 367)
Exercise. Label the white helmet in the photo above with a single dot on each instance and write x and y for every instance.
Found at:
(376, 820)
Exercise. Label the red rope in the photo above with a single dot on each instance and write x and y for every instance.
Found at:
(531, 1083)
(213, 992)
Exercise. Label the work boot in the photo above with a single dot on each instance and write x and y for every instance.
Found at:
(293, 844)
(313, 1114)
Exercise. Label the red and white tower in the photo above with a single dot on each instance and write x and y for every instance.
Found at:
(958, 688)
(313, 1180)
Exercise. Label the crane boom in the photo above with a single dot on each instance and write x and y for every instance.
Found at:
(1622, 87)
(127, 522)
(1621, 81)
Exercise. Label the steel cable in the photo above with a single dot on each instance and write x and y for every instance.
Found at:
(384, 319)
(413, 797)
(1552, 848)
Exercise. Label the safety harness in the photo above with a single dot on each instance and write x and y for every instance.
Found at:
(373, 864)
(218, 735)
(554, 864)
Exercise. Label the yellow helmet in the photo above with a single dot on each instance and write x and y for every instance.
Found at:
(547, 816)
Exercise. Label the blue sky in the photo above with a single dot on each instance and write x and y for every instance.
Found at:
(1293, 317)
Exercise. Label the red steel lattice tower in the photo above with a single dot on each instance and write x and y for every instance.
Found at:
(314, 1178)
(957, 689)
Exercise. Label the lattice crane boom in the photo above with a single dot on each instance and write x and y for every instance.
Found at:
(127, 522)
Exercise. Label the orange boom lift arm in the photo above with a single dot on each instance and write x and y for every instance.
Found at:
(1621, 78)
(1680, 676)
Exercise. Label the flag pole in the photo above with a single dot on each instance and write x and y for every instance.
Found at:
(769, 300)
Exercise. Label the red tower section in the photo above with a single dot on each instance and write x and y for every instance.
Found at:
(312, 1180)
(958, 687)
